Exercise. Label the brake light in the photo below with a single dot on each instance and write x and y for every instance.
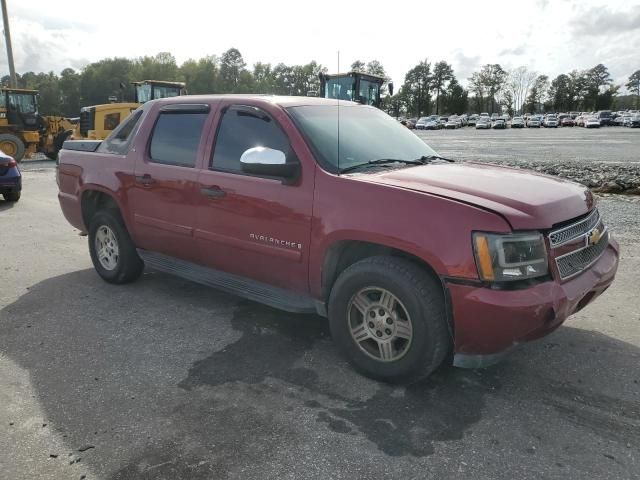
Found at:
(12, 163)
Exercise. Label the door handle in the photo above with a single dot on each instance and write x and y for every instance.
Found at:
(145, 179)
(213, 192)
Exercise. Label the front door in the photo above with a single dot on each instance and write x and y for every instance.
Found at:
(249, 225)
(163, 197)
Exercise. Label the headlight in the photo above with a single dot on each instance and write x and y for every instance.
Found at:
(502, 258)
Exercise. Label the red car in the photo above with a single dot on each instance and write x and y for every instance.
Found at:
(568, 122)
(411, 256)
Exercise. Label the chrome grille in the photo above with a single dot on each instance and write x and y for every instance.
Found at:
(575, 262)
(570, 232)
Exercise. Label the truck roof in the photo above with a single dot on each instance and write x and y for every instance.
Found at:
(282, 100)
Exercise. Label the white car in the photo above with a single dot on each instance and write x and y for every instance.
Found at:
(592, 122)
(550, 122)
(483, 123)
(421, 123)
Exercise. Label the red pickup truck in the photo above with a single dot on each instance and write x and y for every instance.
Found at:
(319, 206)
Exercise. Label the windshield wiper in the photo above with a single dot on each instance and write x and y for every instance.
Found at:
(428, 158)
(380, 161)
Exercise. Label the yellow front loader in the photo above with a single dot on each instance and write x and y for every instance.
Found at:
(23, 131)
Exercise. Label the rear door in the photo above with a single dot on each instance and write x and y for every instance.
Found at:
(250, 225)
(163, 197)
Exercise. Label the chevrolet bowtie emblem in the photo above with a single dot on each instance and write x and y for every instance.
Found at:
(594, 237)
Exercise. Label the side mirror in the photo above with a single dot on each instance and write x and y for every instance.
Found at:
(268, 162)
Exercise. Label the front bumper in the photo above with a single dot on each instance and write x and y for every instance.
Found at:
(488, 323)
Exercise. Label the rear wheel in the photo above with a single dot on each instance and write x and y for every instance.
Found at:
(12, 145)
(11, 196)
(113, 253)
(387, 315)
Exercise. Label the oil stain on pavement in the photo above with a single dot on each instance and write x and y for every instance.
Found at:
(399, 421)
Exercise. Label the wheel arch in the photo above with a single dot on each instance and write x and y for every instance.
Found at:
(343, 253)
(94, 199)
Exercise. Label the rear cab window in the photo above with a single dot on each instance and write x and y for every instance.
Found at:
(176, 137)
(119, 142)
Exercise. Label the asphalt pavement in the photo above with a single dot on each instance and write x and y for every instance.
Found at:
(165, 379)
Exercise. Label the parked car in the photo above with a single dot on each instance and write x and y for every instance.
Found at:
(274, 214)
(634, 122)
(483, 123)
(408, 123)
(550, 122)
(621, 120)
(568, 122)
(471, 121)
(485, 114)
(605, 117)
(517, 122)
(432, 124)
(499, 123)
(534, 122)
(452, 123)
(10, 178)
(592, 122)
(580, 121)
(420, 124)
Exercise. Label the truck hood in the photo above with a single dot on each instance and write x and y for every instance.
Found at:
(526, 199)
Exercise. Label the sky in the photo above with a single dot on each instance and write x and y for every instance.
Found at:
(549, 37)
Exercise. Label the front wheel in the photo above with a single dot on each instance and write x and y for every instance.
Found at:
(388, 317)
(112, 251)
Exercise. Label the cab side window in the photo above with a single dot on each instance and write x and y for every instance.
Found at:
(242, 128)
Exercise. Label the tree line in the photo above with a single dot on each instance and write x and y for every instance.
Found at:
(428, 88)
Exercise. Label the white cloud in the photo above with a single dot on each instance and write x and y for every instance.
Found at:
(550, 37)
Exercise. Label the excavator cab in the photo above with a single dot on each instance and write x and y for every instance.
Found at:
(153, 89)
(353, 86)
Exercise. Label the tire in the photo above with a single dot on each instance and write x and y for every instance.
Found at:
(12, 196)
(419, 319)
(12, 145)
(121, 264)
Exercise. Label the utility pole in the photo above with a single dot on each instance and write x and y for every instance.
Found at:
(7, 37)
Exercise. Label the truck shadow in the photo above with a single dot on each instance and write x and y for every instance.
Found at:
(172, 380)
(4, 205)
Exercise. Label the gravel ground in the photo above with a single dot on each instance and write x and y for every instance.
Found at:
(605, 159)
(164, 379)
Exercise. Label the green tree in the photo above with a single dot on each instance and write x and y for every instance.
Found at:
(201, 76)
(231, 66)
(358, 66)
(69, 84)
(560, 93)
(597, 80)
(442, 74)
(456, 98)
(417, 88)
(634, 86)
(493, 78)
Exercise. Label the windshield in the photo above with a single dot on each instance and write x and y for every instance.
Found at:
(23, 102)
(340, 88)
(165, 92)
(366, 134)
(143, 93)
(369, 92)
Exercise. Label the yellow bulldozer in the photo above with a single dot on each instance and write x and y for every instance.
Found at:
(98, 121)
(23, 131)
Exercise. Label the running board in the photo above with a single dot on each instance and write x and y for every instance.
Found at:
(233, 284)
